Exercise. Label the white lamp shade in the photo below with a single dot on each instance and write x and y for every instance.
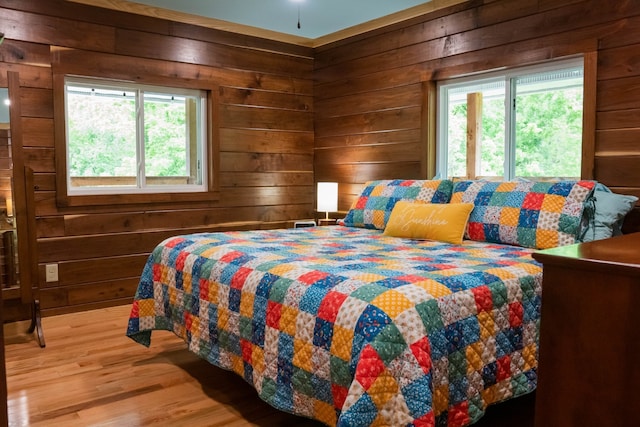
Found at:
(327, 197)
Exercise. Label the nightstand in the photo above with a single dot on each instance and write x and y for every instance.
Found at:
(588, 371)
(327, 221)
(321, 217)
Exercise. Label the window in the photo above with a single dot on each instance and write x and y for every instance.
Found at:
(128, 138)
(524, 122)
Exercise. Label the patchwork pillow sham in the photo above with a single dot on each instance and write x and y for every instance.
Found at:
(536, 215)
(373, 206)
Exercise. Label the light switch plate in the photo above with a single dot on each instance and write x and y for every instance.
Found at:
(51, 272)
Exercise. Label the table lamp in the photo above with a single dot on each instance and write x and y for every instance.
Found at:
(327, 197)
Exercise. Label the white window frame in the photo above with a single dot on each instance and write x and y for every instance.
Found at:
(509, 76)
(141, 185)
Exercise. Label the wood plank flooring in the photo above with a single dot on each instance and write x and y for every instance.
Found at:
(91, 374)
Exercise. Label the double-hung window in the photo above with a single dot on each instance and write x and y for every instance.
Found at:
(126, 138)
(524, 122)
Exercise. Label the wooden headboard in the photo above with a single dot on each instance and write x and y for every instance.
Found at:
(632, 221)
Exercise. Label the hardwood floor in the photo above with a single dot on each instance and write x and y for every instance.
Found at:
(91, 374)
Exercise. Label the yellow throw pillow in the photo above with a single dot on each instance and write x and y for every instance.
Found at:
(429, 221)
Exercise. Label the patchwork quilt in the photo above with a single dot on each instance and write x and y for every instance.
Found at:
(348, 326)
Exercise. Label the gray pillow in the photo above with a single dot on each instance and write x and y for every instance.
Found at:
(610, 210)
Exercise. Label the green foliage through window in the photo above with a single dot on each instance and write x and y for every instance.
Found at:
(531, 124)
(124, 136)
(101, 134)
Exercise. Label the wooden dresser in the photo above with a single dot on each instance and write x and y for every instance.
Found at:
(3, 372)
(589, 366)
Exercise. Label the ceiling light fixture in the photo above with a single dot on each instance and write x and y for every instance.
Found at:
(298, 1)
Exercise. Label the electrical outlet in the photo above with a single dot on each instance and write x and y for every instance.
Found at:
(51, 272)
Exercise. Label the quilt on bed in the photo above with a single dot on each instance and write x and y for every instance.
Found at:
(348, 326)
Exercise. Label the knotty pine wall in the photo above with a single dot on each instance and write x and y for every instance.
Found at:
(263, 118)
(369, 119)
(372, 105)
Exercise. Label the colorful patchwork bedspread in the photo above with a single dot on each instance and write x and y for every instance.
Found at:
(348, 326)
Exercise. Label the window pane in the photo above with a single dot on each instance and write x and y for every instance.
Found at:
(457, 147)
(492, 143)
(492, 134)
(166, 139)
(101, 134)
(549, 124)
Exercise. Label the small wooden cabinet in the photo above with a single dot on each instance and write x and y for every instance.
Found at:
(327, 221)
(4, 420)
(589, 371)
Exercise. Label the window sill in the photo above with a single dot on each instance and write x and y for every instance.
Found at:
(136, 199)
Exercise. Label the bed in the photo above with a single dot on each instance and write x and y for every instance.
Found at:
(355, 326)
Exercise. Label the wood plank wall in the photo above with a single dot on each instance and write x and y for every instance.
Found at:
(367, 119)
(369, 91)
(264, 118)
